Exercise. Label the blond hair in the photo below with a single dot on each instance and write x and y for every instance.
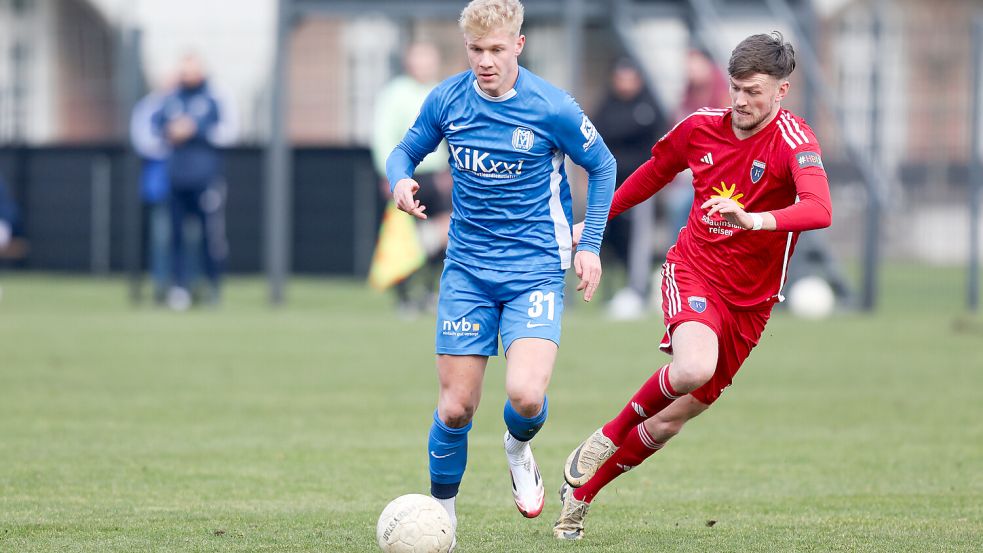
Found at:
(482, 17)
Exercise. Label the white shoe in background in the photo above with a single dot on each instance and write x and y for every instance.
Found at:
(178, 299)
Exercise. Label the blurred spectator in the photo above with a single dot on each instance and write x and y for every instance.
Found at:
(396, 108)
(155, 190)
(706, 86)
(195, 122)
(10, 247)
(630, 121)
(9, 215)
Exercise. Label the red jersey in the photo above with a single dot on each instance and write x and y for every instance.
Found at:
(779, 169)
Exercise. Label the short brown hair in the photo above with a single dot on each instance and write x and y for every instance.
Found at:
(768, 54)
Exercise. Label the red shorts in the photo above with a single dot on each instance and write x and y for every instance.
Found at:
(686, 296)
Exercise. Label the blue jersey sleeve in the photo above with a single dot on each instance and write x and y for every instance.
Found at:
(578, 139)
(419, 141)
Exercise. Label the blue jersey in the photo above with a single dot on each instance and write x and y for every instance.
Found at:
(512, 208)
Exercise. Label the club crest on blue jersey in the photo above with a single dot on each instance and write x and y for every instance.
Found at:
(523, 138)
(757, 171)
(697, 303)
(589, 132)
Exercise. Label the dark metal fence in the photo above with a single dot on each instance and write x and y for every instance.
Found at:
(78, 206)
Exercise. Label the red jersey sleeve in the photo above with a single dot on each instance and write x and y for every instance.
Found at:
(668, 159)
(813, 210)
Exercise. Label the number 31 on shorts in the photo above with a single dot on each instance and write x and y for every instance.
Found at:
(537, 299)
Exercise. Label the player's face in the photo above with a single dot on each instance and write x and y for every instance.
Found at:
(755, 100)
(494, 59)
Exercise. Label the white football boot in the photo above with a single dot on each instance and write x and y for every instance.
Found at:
(527, 485)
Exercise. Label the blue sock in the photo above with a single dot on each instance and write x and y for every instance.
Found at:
(447, 450)
(520, 427)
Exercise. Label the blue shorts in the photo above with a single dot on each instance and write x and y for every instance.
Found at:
(476, 305)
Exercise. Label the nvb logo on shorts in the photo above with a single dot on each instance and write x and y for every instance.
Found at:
(463, 327)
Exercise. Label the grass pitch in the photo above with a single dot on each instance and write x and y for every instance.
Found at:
(258, 429)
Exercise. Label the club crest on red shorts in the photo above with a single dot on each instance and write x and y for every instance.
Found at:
(697, 303)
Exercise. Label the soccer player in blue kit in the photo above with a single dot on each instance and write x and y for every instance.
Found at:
(508, 132)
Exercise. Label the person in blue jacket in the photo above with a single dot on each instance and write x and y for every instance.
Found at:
(191, 120)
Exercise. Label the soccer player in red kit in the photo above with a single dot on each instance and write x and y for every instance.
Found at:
(759, 181)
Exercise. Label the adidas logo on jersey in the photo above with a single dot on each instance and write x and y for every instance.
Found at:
(708, 159)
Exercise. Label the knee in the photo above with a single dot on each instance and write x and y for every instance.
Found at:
(662, 429)
(526, 403)
(455, 413)
(688, 374)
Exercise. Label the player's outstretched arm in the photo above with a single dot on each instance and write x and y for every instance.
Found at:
(810, 213)
(735, 214)
(421, 139)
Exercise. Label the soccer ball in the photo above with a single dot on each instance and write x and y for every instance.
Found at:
(811, 298)
(414, 523)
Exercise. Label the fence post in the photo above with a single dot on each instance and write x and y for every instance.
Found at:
(277, 191)
(975, 176)
(872, 235)
(100, 220)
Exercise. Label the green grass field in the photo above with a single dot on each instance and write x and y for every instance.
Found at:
(252, 429)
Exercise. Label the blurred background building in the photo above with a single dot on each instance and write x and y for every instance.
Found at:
(890, 95)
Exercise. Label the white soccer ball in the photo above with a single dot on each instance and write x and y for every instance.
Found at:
(811, 298)
(414, 523)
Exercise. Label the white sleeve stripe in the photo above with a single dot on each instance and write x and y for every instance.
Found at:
(700, 112)
(788, 128)
(785, 135)
(789, 119)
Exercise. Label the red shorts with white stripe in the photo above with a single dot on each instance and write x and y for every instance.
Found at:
(686, 296)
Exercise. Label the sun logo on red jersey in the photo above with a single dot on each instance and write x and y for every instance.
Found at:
(727, 193)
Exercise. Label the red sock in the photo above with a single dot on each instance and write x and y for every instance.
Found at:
(638, 445)
(651, 398)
